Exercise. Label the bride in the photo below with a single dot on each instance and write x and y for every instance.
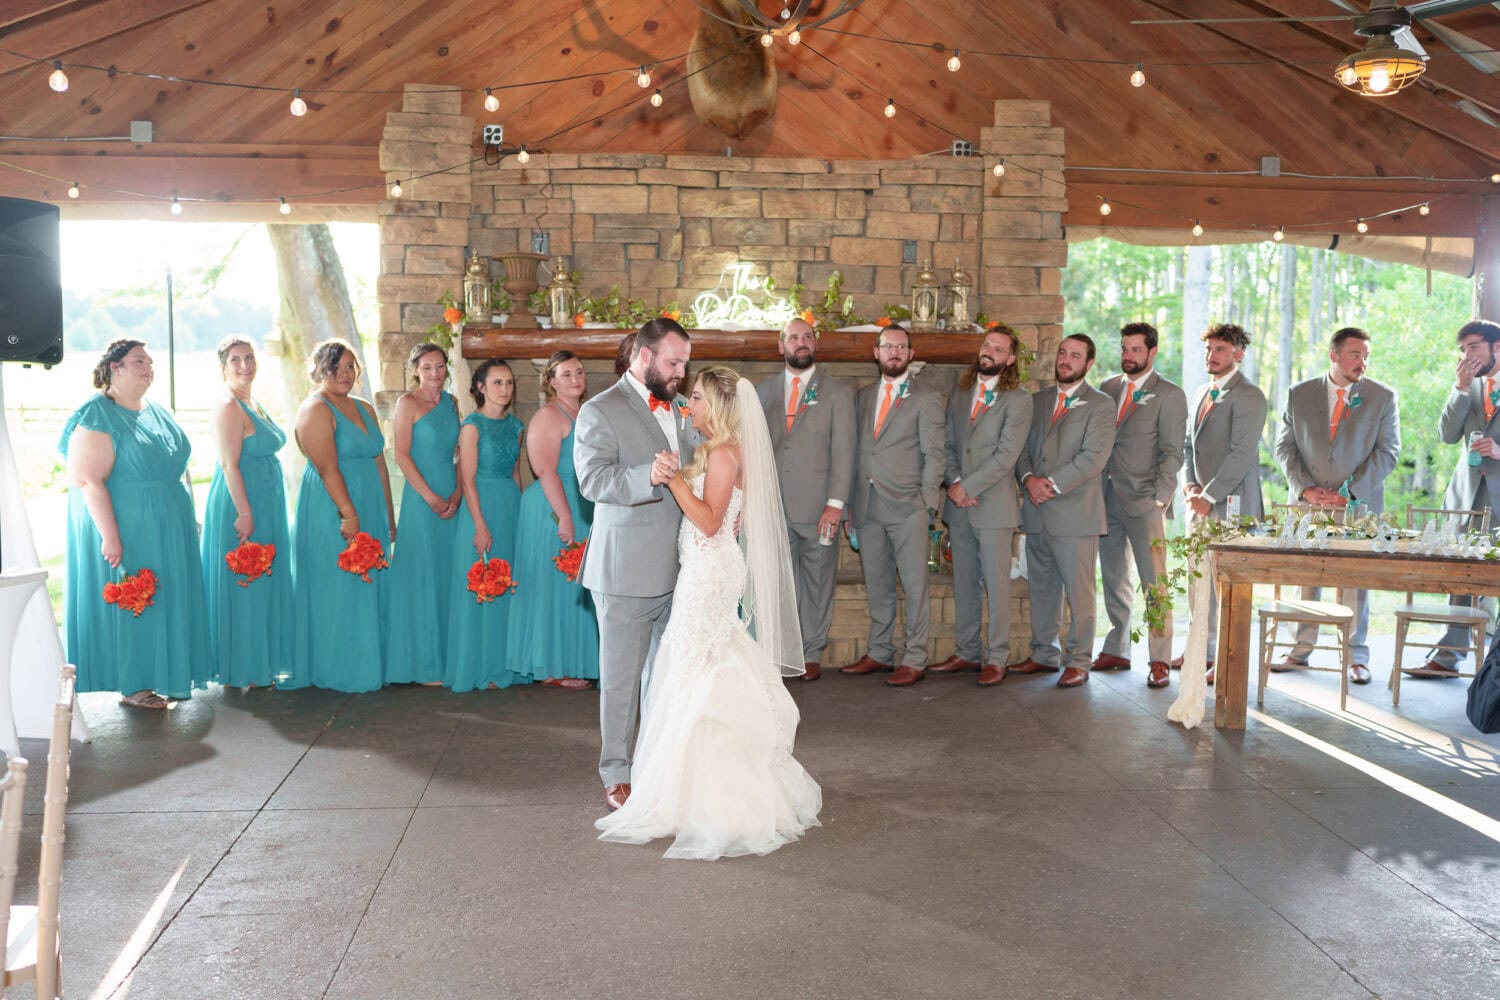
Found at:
(713, 764)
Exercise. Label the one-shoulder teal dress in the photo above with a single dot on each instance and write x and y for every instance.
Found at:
(251, 626)
(553, 632)
(339, 634)
(421, 571)
(166, 649)
(476, 632)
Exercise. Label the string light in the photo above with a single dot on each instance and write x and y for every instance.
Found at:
(656, 98)
(73, 191)
(1495, 178)
(1197, 227)
(1424, 209)
(766, 39)
(176, 206)
(491, 102)
(285, 209)
(795, 38)
(1138, 78)
(953, 62)
(1280, 234)
(890, 107)
(999, 168)
(523, 156)
(396, 190)
(299, 106)
(643, 79)
(1362, 226)
(58, 81)
(1104, 208)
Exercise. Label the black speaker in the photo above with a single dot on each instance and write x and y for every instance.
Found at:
(31, 320)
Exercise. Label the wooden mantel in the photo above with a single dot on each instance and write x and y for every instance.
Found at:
(487, 341)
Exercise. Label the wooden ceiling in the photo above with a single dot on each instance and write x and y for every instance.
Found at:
(1271, 94)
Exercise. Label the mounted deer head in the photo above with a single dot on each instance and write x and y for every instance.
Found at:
(737, 89)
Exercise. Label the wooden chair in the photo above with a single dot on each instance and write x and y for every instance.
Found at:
(32, 943)
(14, 789)
(1339, 617)
(1472, 618)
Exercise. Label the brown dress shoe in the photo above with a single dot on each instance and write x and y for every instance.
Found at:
(864, 665)
(905, 676)
(1287, 665)
(811, 671)
(1108, 661)
(1359, 673)
(1160, 675)
(953, 664)
(1073, 677)
(1030, 666)
(1430, 669)
(991, 675)
(615, 796)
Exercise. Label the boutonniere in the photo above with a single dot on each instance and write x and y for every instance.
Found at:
(1495, 397)
(683, 416)
(989, 397)
(1142, 396)
(1072, 403)
(1217, 394)
(1354, 401)
(905, 390)
(810, 395)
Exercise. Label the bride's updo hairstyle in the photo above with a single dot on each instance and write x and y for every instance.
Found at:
(717, 384)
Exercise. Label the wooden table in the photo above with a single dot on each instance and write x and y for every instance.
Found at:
(1239, 565)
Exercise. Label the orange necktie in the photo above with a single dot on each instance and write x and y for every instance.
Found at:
(791, 403)
(1339, 409)
(1127, 404)
(1207, 404)
(885, 408)
(1062, 406)
(978, 404)
(1489, 399)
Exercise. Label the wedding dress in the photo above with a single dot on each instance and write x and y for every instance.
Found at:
(713, 763)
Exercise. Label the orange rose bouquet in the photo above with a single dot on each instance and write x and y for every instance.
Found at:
(569, 561)
(362, 555)
(135, 592)
(250, 560)
(489, 579)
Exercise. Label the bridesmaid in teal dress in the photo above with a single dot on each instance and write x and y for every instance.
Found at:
(251, 627)
(128, 510)
(554, 637)
(489, 443)
(426, 428)
(338, 635)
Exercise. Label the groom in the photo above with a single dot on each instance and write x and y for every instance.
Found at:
(629, 441)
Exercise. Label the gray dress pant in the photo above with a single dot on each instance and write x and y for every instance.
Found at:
(1138, 533)
(1359, 647)
(1058, 565)
(980, 558)
(814, 566)
(629, 631)
(892, 546)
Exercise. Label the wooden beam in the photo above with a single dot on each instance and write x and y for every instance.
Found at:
(1487, 259)
(482, 341)
(16, 11)
(68, 31)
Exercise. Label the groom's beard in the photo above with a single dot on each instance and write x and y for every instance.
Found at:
(661, 387)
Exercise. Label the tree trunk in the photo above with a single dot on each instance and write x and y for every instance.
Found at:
(1197, 276)
(1287, 275)
(1315, 304)
(314, 303)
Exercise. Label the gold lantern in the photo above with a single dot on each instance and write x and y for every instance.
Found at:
(562, 294)
(924, 300)
(477, 289)
(960, 288)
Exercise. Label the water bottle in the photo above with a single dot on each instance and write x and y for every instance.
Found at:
(1475, 459)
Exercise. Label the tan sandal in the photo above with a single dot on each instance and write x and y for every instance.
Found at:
(569, 683)
(149, 700)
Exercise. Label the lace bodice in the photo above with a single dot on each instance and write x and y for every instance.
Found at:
(710, 582)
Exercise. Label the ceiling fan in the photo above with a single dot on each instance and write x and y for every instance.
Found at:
(1391, 60)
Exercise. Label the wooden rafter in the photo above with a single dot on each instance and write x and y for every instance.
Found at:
(69, 30)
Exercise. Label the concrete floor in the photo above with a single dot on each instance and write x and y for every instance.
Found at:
(1016, 842)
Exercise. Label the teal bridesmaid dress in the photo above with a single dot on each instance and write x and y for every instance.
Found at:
(476, 632)
(251, 627)
(421, 570)
(338, 632)
(166, 649)
(553, 632)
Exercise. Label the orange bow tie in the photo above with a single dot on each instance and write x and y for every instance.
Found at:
(657, 404)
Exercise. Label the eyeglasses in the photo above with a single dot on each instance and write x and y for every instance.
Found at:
(892, 347)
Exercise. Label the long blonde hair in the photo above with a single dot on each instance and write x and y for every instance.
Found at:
(717, 384)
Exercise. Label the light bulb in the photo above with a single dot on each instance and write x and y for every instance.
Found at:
(176, 206)
(73, 191)
(523, 156)
(1380, 80)
(643, 79)
(954, 62)
(999, 169)
(656, 98)
(1362, 226)
(299, 106)
(285, 209)
(1104, 208)
(786, 13)
(58, 81)
(1197, 228)
(396, 190)
(1280, 234)
(1348, 77)
(1138, 78)
(491, 102)
(1495, 178)
(890, 107)
(766, 39)
(1424, 209)
(795, 38)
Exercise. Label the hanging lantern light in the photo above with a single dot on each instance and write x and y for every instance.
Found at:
(924, 300)
(477, 288)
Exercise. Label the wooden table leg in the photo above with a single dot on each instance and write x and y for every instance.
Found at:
(1232, 667)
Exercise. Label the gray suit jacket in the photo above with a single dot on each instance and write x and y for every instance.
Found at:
(1222, 452)
(982, 456)
(1147, 456)
(906, 464)
(632, 550)
(1462, 415)
(1364, 451)
(815, 460)
(1072, 453)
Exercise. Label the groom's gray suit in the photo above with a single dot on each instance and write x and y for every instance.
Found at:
(630, 564)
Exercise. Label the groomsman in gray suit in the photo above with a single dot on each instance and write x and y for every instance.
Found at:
(1221, 457)
(811, 419)
(988, 417)
(1139, 484)
(1340, 437)
(898, 485)
(629, 442)
(1469, 418)
(1060, 471)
